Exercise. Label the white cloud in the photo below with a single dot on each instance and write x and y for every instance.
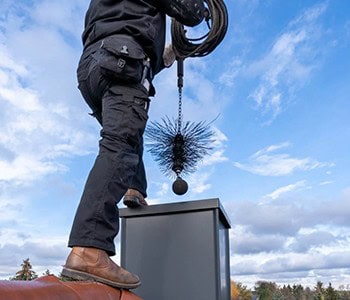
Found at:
(198, 182)
(11, 209)
(304, 242)
(280, 65)
(287, 65)
(272, 148)
(35, 134)
(8, 64)
(215, 157)
(245, 242)
(43, 125)
(326, 182)
(270, 218)
(62, 13)
(42, 109)
(266, 163)
(229, 76)
(285, 189)
(289, 267)
(23, 99)
(291, 242)
(217, 154)
(311, 14)
(44, 253)
(27, 168)
(337, 212)
(164, 189)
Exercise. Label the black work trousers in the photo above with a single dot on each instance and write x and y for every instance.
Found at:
(121, 109)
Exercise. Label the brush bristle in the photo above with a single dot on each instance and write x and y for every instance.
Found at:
(178, 151)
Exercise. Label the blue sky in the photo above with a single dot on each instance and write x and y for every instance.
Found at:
(280, 83)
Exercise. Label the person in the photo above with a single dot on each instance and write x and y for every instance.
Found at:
(124, 43)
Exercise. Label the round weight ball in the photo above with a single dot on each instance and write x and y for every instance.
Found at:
(180, 186)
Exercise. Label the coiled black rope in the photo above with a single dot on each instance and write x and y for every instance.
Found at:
(217, 22)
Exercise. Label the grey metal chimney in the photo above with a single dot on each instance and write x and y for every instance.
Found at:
(179, 250)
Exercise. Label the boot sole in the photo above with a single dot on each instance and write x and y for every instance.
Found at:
(83, 276)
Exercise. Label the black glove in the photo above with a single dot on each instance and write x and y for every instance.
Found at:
(187, 12)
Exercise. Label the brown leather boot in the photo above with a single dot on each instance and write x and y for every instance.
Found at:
(95, 264)
(134, 198)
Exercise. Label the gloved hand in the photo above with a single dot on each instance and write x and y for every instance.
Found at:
(187, 12)
(168, 56)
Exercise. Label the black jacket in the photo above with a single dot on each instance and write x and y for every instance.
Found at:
(144, 20)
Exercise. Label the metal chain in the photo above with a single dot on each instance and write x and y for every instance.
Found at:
(180, 83)
(179, 120)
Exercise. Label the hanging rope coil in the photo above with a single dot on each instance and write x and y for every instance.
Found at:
(217, 21)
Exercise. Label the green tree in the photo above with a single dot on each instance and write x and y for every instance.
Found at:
(266, 290)
(286, 293)
(298, 292)
(344, 295)
(26, 273)
(319, 291)
(307, 294)
(278, 295)
(330, 293)
(244, 292)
